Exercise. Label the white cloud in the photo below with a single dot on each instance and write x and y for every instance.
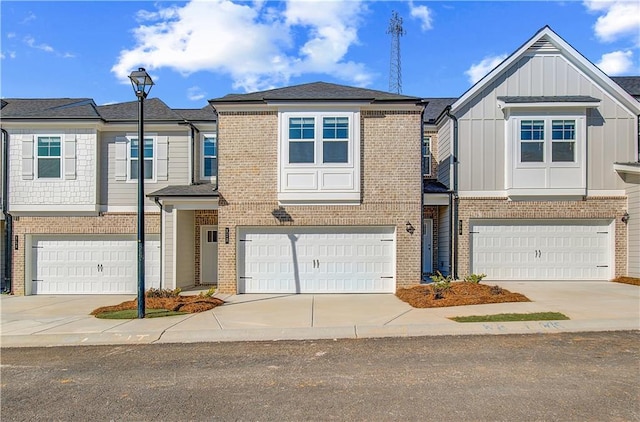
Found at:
(616, 63)
(31, 42)
(478, 70)
(195, 93)
(30, 17)
(423, 14)
(260, 47)
(11, 35)
(619, 19)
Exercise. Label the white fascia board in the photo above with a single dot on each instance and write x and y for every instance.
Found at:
(580, 105)
(129, 209)
(26, 125)
(334, 105)
(246, 107)
(191, 203)
(482, 194)
(614, 192)
(546, 193)
(436, 199)
(569, 52)
(52, 208)
(319, 198)
(626, 168)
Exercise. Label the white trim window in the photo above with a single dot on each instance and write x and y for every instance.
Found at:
(319, 157)
(426, 155)
(48, 157)
(149, 150)
(547, 141)
(209, 154)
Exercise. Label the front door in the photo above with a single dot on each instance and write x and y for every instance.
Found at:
(208, 254)
(427, 246)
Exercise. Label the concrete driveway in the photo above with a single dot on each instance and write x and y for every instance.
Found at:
(64, 320)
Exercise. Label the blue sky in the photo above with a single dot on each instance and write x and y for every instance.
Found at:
(206, 49)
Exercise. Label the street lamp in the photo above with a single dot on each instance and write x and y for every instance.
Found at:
(142, 83)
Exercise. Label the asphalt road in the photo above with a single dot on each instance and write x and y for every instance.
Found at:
(551, 377)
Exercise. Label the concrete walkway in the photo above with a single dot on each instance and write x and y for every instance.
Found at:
(64, 320)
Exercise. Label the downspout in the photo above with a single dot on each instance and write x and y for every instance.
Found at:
(422, 173)
(157, 201)
(217, 145)
(7, 258)
(454, 160)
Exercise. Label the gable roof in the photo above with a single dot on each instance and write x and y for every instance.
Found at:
(316, 91)
(49, 108)
(435, 107)
(154, 109)
(203, 114)
(538, 41)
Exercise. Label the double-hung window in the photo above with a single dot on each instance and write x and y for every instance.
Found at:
(49, 157)
(563, 141)
(148, 155)
(319, 156)
(547, 141)
(209, 156)
(426, 155)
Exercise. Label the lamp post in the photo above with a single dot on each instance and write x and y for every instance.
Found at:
(142, 83)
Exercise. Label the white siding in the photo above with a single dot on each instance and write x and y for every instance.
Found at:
(67, 191)
(124, 193)
(168, 281)
(184, 232)
(611, 129)
(444, 242)
(444, 151)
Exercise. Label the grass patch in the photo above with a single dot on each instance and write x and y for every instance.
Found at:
(133, 314)
(536, 316)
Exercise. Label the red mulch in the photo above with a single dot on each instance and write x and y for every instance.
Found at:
(628, 280)
(460, 293)
(189, 304)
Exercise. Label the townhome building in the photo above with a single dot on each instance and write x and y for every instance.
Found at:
(532, 174)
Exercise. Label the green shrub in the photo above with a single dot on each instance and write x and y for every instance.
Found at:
(208, 293)
(474, 278)
(440, 284)
(152, 292)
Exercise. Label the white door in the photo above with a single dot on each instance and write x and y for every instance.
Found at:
(91, 265)
(208, 254)
(317, 260)
(541, 250)
(427, 246)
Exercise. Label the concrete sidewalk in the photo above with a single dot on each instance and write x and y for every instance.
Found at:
(65, 320)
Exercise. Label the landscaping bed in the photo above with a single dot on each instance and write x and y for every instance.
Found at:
(628, 280)
(170, 300)
(458, 293)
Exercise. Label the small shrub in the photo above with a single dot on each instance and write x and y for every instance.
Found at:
(474, 278)
(152, 292)
(496, 290)
(208, 293)
(440, 284)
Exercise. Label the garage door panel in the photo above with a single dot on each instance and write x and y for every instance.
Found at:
(316, 260)
(85, 266)
(541, 249)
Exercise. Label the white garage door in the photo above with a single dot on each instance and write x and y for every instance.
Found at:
(91, 265)
(541, 250)
(316, 260)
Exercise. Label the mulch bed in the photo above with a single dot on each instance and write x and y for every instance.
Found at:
(628, 280)
(189, 304)
(460, 293)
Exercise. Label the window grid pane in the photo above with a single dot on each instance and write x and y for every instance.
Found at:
(49, 147)
(49, 168)
(532, 130)
(532, 152)
(335, 128)
(301, 152)
(563, 130)
(302, 128)
(335, 152)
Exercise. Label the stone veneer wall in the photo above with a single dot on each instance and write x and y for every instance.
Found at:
(203, 218)
(598, 208)
(390, 185)
(109, 223)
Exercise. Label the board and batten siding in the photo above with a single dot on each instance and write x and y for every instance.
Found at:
(168, 280)
(611, 128)
(184, 234)
(124, 193)
(633, 227)
(444, 152)
(444, 241)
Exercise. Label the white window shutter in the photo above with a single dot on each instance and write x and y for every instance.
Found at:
(70, 157)
(121, 158)
(27, 158)
(162, 158)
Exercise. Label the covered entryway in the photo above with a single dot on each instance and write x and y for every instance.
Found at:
(316, 260)
(541, 249)
(91, 264)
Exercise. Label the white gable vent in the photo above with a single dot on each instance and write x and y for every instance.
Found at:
(543, 45)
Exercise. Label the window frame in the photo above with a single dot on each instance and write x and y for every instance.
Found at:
(318, 139)
(37, 157)
(547, 139)
(426, 155)
(204, 157)
(154, 139)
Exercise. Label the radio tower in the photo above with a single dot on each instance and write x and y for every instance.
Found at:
(395, 69)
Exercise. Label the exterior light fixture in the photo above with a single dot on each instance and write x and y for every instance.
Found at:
(625, 217)
(410, 228)
(141, 83)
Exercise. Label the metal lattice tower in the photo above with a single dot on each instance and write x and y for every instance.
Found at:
(395, 68)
